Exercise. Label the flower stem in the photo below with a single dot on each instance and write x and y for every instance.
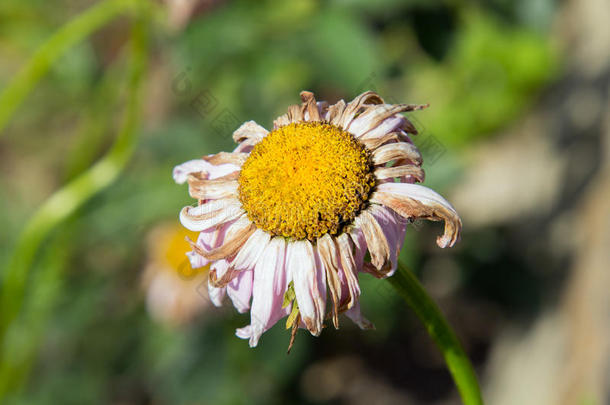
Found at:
(410, 289)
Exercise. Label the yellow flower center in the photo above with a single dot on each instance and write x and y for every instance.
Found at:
(305, 179)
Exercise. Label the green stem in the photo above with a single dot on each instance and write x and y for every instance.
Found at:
(67, 36)
(409, 288)
(68, 199)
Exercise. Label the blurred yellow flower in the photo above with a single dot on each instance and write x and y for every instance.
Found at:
(173, 296)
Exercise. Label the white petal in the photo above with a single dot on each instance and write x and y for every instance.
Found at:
(307, 273)
(270, 284)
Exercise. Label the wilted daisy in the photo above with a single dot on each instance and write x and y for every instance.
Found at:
(172, 286)
(287, 218)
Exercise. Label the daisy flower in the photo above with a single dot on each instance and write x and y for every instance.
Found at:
(289, 219)
(170, 283)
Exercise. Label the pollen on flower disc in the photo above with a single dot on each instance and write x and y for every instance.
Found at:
(306, 179)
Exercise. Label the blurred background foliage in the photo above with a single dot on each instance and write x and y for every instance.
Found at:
(85, 332)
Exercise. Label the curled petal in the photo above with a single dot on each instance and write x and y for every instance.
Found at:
(392, 137)
(250, 132)
(217, 294)
(296, 113)
(181, 172)
(415, 172)
(210, 214)
(310, 107)
(389, 125)
(375, 240)
(356, 106)
(251, 251)
(236, 235)
(335, 112)
(414, 201)
(376, 115)
(394, 228)
(221, 281)
(205, 169)
(307, 273)
(396, 151)
(213, 189)
(234, 158)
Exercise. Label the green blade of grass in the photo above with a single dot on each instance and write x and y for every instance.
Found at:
(70, 34)
(72, 196)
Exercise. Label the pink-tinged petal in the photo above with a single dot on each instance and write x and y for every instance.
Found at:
(351, 291)
(240, 290)
(307, 274)
(355, 315)
(394, 228)
(329, 254)
(360, 247)
(414, 201)
(251, 251)
(269, 286)
(210, 214)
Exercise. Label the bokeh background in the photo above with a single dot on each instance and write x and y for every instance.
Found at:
(517, 137)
